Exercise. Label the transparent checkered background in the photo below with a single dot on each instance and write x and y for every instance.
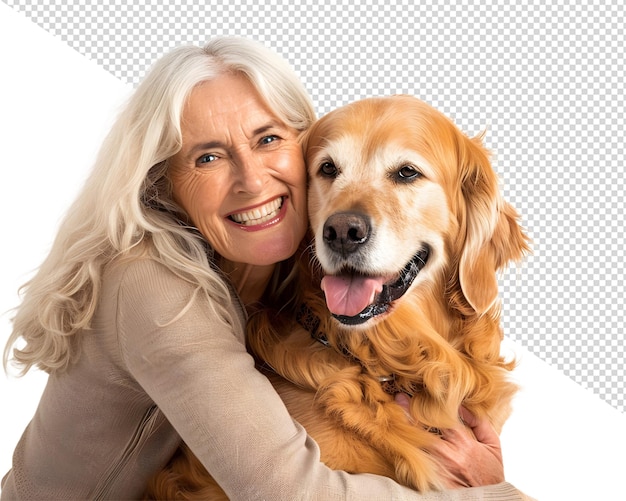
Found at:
(545, 79)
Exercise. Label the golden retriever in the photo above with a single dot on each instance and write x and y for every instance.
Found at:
(409, 231)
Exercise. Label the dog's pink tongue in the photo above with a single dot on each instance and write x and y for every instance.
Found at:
(348, 296)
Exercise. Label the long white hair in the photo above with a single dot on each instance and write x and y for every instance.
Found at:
(127, 202)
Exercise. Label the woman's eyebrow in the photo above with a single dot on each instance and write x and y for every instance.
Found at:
(274, 124)
(269, 126)
(202, 147)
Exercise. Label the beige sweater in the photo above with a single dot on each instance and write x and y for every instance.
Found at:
(142, 381)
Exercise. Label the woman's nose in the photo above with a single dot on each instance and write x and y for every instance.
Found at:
(250, 173)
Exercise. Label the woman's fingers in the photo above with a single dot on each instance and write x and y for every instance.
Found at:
(469, 454)
(404, 401)
(482, 429)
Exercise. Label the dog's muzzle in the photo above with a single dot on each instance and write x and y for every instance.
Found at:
(390, 291)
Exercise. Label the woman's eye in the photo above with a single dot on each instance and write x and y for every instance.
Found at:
(208, 158)
(268, 139)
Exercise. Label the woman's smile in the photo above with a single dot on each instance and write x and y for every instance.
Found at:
(260, 217)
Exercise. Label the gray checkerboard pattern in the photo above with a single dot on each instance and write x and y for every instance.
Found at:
(545, 79)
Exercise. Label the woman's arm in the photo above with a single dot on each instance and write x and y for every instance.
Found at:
(198, 372)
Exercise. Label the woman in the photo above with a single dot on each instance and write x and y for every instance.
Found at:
(194, 207)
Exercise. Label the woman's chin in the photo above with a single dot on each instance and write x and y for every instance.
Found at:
(273, 251)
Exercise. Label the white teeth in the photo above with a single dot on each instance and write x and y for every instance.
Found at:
(260, 214)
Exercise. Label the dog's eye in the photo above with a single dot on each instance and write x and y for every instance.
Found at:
(328, 169)
(408, 173)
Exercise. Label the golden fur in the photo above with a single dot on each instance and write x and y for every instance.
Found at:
(420, 182)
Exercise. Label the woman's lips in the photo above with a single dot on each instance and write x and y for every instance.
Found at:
(260, 217)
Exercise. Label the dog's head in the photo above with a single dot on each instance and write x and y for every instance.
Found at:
(400, 198)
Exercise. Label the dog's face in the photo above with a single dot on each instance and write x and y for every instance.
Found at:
(398, 196)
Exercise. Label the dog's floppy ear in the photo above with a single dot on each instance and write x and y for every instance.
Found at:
(306, 140)
(493, 236)
(303, 139)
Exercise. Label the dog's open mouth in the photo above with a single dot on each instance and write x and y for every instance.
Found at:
(354, 298)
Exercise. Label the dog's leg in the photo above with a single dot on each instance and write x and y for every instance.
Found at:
(358, 403)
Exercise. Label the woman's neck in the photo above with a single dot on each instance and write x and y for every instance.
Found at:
(249, 280)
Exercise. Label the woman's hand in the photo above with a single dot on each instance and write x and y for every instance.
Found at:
(470, 454)
(471, 462)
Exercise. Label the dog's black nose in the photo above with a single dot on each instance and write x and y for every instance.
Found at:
(344, 232)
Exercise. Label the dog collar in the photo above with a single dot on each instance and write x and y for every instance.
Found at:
(311, 323)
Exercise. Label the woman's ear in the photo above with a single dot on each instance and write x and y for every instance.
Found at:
(493, 236)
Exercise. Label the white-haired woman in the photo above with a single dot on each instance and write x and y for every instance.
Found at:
(195, 205)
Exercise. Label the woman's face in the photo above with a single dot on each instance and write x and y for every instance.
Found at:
(240, 174)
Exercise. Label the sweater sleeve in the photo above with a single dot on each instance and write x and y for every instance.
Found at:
(196, 369)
